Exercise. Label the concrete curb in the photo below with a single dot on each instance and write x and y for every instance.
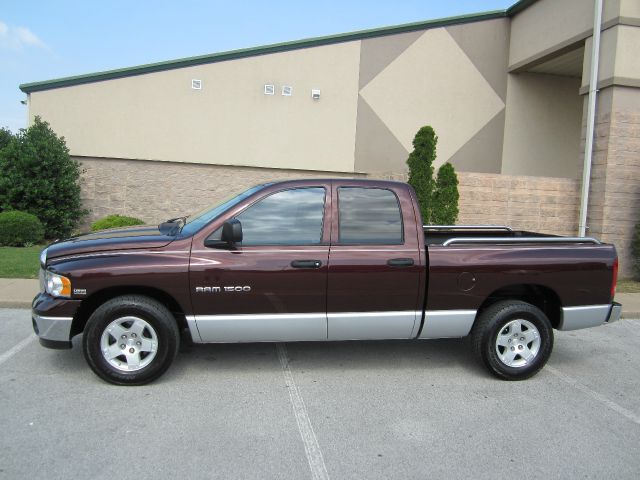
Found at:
(14, 304)
(18, 292)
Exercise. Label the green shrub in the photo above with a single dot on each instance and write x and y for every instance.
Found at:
(438, 200)
(19, 229)
(112, 221)
(420, 164)
(444, 209)
(635, 250)
(38, 176)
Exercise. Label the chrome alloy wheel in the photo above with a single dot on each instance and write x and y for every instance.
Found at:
(518, 343)
(129, 344)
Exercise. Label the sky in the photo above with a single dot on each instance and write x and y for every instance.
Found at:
(42, 40)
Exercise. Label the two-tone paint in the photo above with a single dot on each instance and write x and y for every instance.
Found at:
(418, 289)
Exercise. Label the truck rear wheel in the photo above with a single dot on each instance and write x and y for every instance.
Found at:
(130, 340)
(513, 339)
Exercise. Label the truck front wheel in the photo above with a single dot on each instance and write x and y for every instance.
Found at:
(130, 340)
(513, 339)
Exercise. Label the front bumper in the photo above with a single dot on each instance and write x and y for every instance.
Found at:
(52, 320)
(574, 318)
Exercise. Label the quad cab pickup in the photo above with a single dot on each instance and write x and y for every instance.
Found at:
(318, 260)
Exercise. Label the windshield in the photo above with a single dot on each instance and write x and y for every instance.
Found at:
(198, 220)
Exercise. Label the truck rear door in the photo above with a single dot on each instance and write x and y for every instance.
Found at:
(374, 288)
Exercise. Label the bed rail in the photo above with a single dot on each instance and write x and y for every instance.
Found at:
(516, 240)
(467, 227)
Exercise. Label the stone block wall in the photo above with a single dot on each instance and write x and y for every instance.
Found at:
(155, 191)
(614, 193)
(614, 201)
(543, 204)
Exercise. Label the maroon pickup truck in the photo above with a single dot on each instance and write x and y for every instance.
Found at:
(318, 260)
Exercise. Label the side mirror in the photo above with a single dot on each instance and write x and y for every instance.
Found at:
(230, 236)
(232, 231)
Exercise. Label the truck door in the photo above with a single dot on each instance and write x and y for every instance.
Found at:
(272, 287)
(374, 264)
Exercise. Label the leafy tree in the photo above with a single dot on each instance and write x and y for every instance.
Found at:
(445, 196)
(420, 164)
(6, 137)
(38, 176)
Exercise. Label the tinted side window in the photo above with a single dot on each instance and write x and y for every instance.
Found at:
(369, 215)
(290, 217)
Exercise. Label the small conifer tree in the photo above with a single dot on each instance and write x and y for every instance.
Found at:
(420, 164)
(445, 196)
(438, 199)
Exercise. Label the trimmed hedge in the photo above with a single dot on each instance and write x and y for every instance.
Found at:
(19, 229)
(113, 221)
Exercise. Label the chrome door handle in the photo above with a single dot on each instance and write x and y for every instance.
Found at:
(400, 262)
(306, 264)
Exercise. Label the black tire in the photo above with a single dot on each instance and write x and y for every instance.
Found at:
(154, 346)
(498, 345)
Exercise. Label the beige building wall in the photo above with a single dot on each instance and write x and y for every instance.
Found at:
(629, 12)
(542, 126)
(547, 26)
(370, 108)
(230, 121)
(452, 78)
(433, 82)
(619, 54)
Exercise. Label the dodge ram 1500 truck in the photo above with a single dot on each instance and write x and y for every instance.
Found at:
(318, 260)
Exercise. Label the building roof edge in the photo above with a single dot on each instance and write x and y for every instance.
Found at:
(268, 49)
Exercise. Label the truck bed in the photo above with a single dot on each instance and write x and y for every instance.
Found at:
(468, 264)
(446, 235)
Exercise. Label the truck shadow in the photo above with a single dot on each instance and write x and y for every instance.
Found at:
(347, 355)
(250, 358)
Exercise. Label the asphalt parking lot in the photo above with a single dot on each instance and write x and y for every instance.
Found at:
(323, 410)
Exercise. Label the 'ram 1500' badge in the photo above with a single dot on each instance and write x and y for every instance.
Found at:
(245, 288)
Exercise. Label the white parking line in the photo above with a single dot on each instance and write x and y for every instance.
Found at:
(595, 395)
(311, 446)
(16, 348)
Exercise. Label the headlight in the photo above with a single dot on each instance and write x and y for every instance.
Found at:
(57, 285)
(43, 258)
